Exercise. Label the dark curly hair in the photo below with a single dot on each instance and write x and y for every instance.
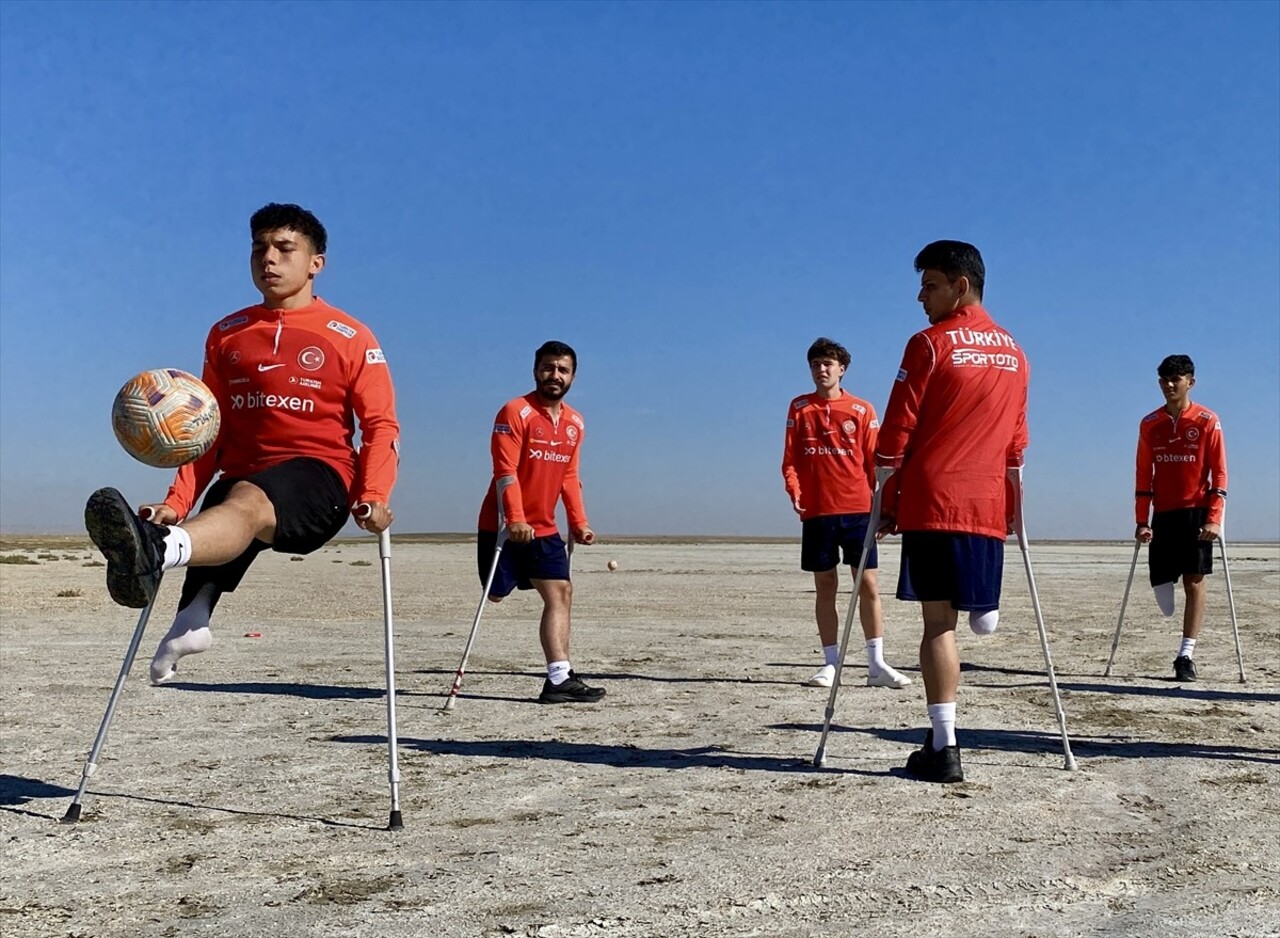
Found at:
(1174, 366)
(829, 348)
(274, 216)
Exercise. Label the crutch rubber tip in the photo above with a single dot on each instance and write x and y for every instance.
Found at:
(1069, 764)
(396, 823)
(73, 813)
(448, 704)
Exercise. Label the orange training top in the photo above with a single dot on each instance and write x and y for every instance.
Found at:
(957, 418)
(542, 455)
(1182, 463)
(828, 462)
(293, 383)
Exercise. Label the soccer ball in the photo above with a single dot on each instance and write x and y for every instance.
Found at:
(165, 417)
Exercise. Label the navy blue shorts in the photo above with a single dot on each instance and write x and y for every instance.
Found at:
(944, 566)
(823, 538)
(310, 501)
(1176, 548)
(543, 558)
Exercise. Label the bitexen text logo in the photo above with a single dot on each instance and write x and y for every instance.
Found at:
(549, 455)
(256, 399)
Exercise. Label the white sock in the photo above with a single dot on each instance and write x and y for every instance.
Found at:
(177, 549)
(1188, 648)
(1164, 598)
(558, 672)
(875, 655)
(189, 635)
(943, 718)
(831, 654)
(984, 623)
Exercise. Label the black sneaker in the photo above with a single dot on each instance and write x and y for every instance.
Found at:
(1184, 669)
(134, 548)
(571, 690)
(940, 766)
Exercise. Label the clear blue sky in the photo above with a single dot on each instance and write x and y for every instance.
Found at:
(688, 193)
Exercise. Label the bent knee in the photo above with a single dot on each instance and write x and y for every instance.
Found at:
(249, 499)
(558, 592)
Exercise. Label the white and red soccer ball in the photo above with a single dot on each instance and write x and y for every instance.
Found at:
(165, 417)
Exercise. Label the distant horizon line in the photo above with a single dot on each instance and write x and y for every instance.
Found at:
(13, 539)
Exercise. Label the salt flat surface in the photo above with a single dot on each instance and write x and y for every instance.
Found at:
(249, 797)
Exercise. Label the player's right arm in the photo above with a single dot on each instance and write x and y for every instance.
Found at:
(903, 411)
(901, 415)
(193, 478)
(1144, 486)
(790, 475)
(505, 447)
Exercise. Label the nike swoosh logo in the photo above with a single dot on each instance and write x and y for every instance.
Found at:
(269, 367)
(556, 442)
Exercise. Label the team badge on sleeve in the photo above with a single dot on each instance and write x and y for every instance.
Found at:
(502, 428)
(374, 356)
(341, 328)
(902, 375)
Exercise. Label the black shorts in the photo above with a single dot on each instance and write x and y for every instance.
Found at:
(940, 566)
(543, 558)
(311, 507)
(1176, 548)
(823, 538)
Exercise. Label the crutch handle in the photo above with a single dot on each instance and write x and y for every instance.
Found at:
(363, 511)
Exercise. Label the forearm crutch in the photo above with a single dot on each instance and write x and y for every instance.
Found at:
(484, 596)
(1020, 528)
(1115, 641)
(91, 765)
(393, 764)
(873, 524)
(1231, 601)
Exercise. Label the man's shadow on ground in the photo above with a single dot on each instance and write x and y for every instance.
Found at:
(1086, 747)
(621, 757)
